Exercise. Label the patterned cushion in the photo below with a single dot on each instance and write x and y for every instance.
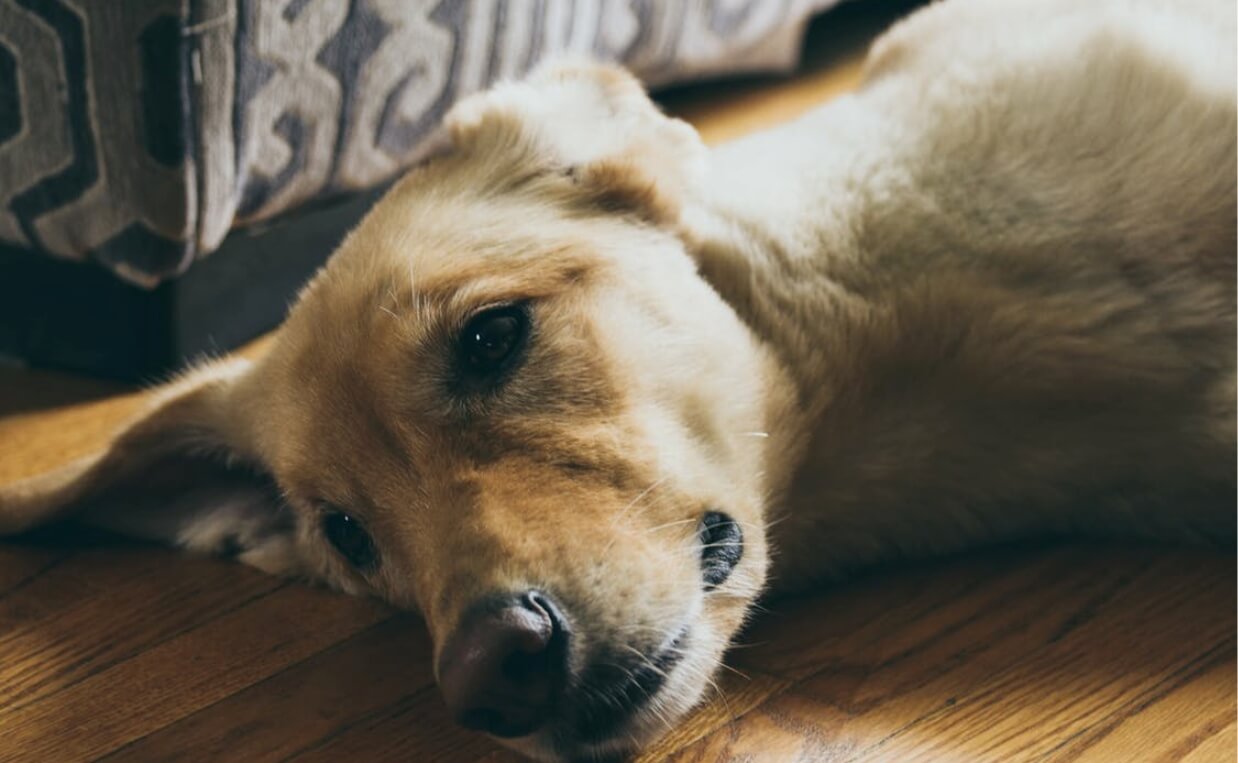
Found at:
(139, 132)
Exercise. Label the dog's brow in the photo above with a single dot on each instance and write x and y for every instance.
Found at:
(480, 279)
(403, 303)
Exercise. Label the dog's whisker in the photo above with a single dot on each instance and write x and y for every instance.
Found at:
(707, 678)
(614, 521)
(645, 659)
(736, 671)
(730, 712)
(653, 706)
(676, 523)
(775, 522)
(641, 630)
(653, 486)
(393, 299)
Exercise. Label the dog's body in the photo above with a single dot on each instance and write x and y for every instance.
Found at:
(565, 375)
(1024, 223)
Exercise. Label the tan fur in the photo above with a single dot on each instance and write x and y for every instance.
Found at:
(990, 295)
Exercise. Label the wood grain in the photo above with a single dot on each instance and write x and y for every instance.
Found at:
(1065, 653)
(1078, 653)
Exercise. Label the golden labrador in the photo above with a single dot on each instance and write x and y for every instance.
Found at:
(580, 389)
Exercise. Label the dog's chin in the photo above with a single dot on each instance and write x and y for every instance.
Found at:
(595, 729)
(640, 730)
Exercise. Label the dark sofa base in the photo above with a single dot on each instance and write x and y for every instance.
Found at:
(77, 317)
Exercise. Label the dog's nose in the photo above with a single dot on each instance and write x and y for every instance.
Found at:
(504, 668)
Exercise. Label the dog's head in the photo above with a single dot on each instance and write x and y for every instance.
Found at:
(508, 402)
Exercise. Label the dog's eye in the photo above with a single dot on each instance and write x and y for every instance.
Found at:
(351, 540)
(492, 339)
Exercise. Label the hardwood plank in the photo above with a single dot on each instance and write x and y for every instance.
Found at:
(888, 613)
(414, 728)
(765, 734)
(1173, 727)
(1114, 653)
(321, 698)
(183, 674)
(1222, 746)
(20, 565)
(735, 694)
(98, 608)
(1059, 663)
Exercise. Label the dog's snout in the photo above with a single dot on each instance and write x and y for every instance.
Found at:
(504, 668)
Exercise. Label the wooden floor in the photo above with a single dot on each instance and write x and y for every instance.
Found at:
(128, 653)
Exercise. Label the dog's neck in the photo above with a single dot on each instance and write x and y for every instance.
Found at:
(776, 217)
(774, 220)
(773, 216)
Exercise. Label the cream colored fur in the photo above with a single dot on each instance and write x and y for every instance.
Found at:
(989, 295)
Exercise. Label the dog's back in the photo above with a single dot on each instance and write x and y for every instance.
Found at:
(1087, 151)
(1104, 126)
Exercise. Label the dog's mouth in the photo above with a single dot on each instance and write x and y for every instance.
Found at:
(596, 717)
(617, 688)
(620, 685)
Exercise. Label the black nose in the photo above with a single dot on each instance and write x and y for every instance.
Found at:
(722, 546)
(504, 668)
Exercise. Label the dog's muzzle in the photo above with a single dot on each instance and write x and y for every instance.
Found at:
(507, 669)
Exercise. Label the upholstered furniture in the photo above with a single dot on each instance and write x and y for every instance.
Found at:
(172, 170)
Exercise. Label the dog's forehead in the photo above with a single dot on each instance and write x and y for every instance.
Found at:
(425, 248)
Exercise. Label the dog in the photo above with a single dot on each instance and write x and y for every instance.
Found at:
(579, 390)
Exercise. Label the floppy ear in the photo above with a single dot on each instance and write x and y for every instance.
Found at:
(180, 474)
(595, 124)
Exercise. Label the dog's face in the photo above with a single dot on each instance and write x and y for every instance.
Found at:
(508, 402)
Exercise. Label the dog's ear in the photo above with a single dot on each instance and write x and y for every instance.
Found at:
(180, 474)
(595, 125)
